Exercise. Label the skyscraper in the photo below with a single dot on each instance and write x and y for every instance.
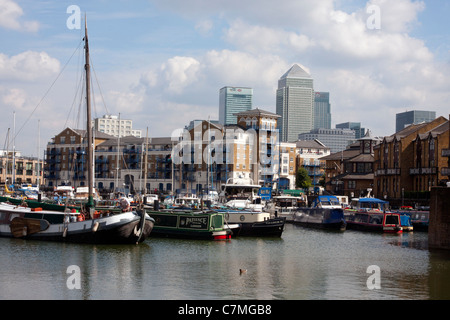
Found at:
(295, 103)
(359, 132)
(404, 119)
(322, 110)
(233, 100)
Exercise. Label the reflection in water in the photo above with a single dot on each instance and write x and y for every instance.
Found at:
(303, 264)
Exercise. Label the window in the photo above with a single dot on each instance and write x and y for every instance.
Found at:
(352, 184)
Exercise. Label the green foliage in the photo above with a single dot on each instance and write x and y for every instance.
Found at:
(302, 179)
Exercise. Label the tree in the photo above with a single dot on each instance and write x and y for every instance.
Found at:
(302, 179)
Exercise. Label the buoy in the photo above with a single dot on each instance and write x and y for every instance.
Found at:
(95, 227)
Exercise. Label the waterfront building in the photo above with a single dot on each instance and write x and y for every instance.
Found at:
(309, 154)
(295, 103)
(203, 156)
(398, 167)
(335, 139)
(27, 169)
(356, 126)
(263, 125)
(350, 172)
(288, 165)
(322, 110)
(115, 126)
(233, 100)
(65, 157)
(428, 148)
(404, 119)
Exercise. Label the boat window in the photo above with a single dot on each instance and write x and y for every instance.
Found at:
(391, 219)
(375, 219)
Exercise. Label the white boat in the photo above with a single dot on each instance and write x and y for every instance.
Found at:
(82, 193)
(150, 199)
(186, 201)
(241, 194)
(285, 206)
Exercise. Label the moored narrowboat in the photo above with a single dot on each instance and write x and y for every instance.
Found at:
(325, 213)
(371, 214)
(190, 224)
(254, 223)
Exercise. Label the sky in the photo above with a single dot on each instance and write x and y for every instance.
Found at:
(161, 63)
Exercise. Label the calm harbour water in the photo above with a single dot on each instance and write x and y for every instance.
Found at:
(303, 264)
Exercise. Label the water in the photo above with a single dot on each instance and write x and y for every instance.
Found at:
(303, 264)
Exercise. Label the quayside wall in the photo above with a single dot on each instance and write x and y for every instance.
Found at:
(439, 224)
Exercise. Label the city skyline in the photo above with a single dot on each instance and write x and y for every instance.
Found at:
(156, 59)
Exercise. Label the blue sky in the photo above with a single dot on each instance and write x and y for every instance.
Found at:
(162, 63)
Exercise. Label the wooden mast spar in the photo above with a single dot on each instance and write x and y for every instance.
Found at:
(90, 203)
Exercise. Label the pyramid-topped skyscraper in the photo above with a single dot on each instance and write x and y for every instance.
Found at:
(295, 103)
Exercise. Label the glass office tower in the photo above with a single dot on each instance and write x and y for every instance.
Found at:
(234, 100)
(295, 103)
(404, 119)
(322, 110)
(359, 132)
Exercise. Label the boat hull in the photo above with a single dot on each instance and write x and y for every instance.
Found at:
(125, 228)
(321, 218)
(269, 228)
(190, 225)
(375, 222)
(255, 223)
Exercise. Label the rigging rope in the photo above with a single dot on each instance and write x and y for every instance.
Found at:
(42, 99)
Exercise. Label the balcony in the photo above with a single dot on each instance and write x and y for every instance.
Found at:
(394, 171)
(388, 172)
(446, 153)
(419, 171)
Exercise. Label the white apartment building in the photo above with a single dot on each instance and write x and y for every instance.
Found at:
(115, 126)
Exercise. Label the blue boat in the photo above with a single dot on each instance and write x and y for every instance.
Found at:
(325, 213)
(405, 220)
(419, 218)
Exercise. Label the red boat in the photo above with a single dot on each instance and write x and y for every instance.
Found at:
(370, 214)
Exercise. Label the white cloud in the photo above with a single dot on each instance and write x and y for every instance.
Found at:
(10, 14)
(15, 98)
(28, 66)
(179, 72)
(398, 16)
(363, 69)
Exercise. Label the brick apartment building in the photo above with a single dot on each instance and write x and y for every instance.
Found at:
(411, 160)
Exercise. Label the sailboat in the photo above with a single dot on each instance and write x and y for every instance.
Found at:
(90, 225)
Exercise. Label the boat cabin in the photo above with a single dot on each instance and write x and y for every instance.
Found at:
(369, 204)
(326, 202)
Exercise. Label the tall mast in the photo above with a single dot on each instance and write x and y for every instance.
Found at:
(145, 163)
(88, 122)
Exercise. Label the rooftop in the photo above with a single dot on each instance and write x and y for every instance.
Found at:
(296, 72)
